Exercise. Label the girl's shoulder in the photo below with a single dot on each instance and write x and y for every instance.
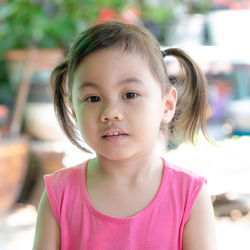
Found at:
(182, 175)
(184, 187)
(64, 187)
(66, 175)
(69, 170)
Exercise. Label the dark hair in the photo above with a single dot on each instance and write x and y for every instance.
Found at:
(191, 105)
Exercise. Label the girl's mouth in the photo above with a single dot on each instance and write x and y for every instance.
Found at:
(114, 137)
(113, 134)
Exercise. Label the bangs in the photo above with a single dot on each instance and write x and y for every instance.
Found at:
(129, 38)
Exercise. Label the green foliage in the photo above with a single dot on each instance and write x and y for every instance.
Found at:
(47, 24)
(157, 14)
(54, 23)
(202, 6)
(25, 23)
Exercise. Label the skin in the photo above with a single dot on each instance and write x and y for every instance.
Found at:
(47, 234)
(125, 160)
(129, 169)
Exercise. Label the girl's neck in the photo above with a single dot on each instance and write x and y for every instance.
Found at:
(131, 171)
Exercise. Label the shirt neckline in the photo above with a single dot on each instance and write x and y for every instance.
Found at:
(101, 215)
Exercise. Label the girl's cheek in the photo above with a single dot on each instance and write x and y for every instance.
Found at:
(82, 108)
(87, 114)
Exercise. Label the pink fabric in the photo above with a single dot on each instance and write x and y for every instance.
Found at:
(159, 226)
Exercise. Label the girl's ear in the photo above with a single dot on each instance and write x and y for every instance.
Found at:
(169, 105)
(71, 107)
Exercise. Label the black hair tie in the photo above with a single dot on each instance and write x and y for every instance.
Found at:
(164, 53)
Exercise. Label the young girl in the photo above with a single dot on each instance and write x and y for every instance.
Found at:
(115, 90)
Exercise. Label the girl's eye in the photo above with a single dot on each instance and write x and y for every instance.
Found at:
(93, 99)
(130, 95)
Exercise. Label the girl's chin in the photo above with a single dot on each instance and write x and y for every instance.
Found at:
(114, 156)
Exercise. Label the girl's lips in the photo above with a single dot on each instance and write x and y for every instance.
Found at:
(114, 138)
(112, 130)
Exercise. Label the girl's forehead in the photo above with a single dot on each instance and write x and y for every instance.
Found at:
(114, 60)
(112, 67)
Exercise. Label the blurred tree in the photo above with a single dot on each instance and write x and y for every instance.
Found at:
(47, 23)
(54, 23)
(201, 6)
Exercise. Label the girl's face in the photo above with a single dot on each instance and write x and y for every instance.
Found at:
(115, 92)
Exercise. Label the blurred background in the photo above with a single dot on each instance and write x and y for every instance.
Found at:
(34, 37)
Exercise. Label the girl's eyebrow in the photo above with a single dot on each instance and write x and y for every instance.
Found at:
(89, 84)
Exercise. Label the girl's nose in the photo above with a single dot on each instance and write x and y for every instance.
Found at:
(111, 113)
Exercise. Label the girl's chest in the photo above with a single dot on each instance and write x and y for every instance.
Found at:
(118, 201)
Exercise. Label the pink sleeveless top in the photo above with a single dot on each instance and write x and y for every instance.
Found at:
(159, 226)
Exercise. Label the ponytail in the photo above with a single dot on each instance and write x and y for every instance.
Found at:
(61, 106)
(192, 104)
